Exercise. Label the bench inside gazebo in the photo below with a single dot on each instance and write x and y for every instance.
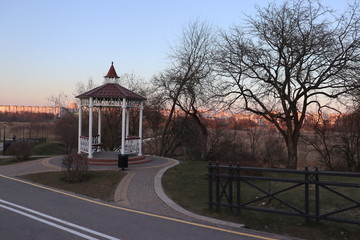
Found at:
(110, 95)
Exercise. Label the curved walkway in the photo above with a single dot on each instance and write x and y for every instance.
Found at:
(40, 165)
(140, 189)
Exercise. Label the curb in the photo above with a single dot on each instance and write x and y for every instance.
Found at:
(46, 162)
(120, 195)
(161, 194)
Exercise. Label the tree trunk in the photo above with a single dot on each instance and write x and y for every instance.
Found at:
(292, 153)
(163, 136)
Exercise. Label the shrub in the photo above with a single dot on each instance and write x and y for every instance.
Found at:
(75, 167)
(21, 150)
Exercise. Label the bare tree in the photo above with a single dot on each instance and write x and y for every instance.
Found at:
(185, 82)
(82, 87)
(153, 120)
(350, 140)
(288, 57)
(254, 136)
(226, 145)
(66, 129)
(272, 151)
(323, 140)
(59, 100)
(65, 126)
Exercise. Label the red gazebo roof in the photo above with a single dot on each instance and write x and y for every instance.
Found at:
(111, 90)
(111, 73)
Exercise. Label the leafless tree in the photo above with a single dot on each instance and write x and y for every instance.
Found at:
(65, 126)
(254, 136)
(59, 100)
(350, 140)
(111, 127)
(272, 152)
(323, 139)
(288, 57)
(154, 118)
(66, 129)
(226, 145)
(185, 83)
(82, 87)
(140, 86)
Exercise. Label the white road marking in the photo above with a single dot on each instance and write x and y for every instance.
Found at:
(55, 220)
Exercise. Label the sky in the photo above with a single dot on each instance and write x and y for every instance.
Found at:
(48, 46)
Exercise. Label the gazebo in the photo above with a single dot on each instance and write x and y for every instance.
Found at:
(110, 95)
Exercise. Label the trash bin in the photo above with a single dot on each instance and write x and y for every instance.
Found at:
(123, 161)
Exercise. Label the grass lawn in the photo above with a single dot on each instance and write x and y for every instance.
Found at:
(100, 184)
(187, 184)
(44, 148)
(49, 148)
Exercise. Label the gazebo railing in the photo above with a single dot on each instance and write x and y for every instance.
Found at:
(132, 144)
(84, 143)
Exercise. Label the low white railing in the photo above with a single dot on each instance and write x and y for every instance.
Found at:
(132, 145)
(84, 143)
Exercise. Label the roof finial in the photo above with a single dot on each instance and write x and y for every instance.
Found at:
(112, 72)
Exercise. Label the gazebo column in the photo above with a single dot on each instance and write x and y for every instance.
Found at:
(140, 127)
(80, 129)
(123, 126)
(127, 121)
(99, 125)
(90, 128)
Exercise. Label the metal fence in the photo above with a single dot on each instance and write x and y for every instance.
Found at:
(312, 194)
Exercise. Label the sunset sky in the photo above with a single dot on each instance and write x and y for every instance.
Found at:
(46, 46)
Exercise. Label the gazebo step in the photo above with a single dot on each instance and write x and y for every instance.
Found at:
(114, 162)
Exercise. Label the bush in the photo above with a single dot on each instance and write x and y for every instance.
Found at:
(75, 167)
(21, 150)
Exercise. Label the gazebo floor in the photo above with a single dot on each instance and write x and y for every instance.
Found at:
(111, 159)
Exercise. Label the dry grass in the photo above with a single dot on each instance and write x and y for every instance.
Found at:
(100, 184)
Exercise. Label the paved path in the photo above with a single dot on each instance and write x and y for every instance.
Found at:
(41, 165)
(140, 189)
(137, 191)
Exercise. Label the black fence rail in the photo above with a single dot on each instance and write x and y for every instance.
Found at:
(312, 194)
(31, 140)
(6, 145)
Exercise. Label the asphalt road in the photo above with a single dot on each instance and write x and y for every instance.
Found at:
(28, 211)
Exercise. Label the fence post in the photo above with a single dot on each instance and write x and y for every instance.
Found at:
(238, 193)
(307, 194)
(217, 179)
(317, 195)
(230, 179)
(210, 171)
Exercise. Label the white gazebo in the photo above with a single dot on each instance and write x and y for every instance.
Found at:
(110, 95)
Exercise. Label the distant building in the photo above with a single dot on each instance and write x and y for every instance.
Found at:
(56, 111)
